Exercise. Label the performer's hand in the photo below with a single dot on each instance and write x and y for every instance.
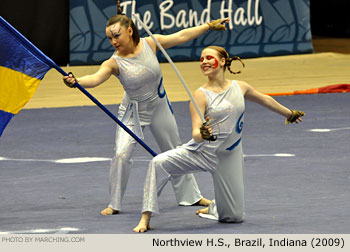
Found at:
(295, 117)
(218, 24)
(69, 80)
(206, 131)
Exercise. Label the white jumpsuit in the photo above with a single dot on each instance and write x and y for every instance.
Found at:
(223, 158)
(145, 103)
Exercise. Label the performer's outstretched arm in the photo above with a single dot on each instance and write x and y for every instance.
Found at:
(188, 34)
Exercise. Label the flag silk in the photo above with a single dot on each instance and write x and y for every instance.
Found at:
(22, 67)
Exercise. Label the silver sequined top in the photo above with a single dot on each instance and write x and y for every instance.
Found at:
(225, 110)
(140, 75)
(226, 113)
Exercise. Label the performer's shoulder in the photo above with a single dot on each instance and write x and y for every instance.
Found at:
(245, 87)
(111, 63)
(199, 93)
(151, 43)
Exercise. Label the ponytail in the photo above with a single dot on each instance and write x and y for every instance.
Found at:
(228, 61)
(119, 9)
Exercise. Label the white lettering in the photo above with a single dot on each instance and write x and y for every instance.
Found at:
(258, 19)
(146, 16)
(205, 17)
(243, 15)
(124, 6)
(250, 19)
(239, 18)
(181, 19)
(193, 17)
(164, 7)
(227, 12)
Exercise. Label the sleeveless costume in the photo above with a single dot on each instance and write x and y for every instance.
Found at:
(145, 104)
(223, 158)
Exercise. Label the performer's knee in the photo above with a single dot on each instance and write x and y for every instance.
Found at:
(159, 164)
(159, 159)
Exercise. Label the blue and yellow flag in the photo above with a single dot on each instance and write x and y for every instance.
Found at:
(22, 67)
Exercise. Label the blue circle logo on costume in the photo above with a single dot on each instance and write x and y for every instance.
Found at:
(239, 125)
(161, 90)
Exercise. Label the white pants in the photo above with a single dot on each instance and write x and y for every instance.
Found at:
(164, 129)
(225, 166)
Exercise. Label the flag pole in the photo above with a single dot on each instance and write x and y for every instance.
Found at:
(109, 113)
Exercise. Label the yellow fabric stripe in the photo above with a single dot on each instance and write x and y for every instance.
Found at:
(16, 89)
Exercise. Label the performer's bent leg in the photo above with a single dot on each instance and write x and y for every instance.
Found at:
(166, 134)
(229, 187)
(120, 167)
(163, 167)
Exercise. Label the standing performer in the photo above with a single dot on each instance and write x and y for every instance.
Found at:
(222, 103)
(145, 103)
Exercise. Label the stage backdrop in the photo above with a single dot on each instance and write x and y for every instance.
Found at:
(257, 27)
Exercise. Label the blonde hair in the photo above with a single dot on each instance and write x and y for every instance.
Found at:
(228, 61)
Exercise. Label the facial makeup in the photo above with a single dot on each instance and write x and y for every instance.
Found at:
(209, 57)
(114, 34)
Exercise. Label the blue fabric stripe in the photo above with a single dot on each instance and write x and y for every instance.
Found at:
(5, 118)
(239, 125)
(234, 145)
(160, 86)
(19, 54)
(162, 93)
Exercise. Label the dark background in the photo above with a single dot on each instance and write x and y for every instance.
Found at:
(43, 22)
(46, 22)
(330, 18)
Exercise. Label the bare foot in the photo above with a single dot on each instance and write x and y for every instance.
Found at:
(143, 225)
(203, 211)
(109, 211)
(142, 228)
(203, 202)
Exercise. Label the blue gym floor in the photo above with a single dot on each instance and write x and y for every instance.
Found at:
(305, 188)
